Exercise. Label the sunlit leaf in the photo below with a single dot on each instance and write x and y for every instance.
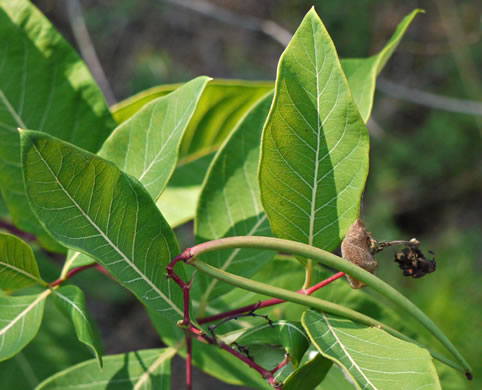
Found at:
(147, 370)
(89, 205)
(20, 319)
(223, 104)
(146, 146)
(314, 159)
(18, 267)
(71, 301)
(362, 72)
(43, 85)
(371, 357)
(309, 375)
(230, 205)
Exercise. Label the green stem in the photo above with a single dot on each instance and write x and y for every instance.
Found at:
(308, 274)
(325, 258)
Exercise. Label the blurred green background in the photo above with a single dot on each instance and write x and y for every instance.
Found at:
(426, 172)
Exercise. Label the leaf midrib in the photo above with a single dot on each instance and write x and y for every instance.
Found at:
(354, 364)
(25, 311)
(103, 234)
(21, 271)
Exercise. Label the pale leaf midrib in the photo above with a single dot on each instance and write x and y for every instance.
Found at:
(21, 271)
(354, 364)
(25, 311)
(11, 110)
(144, 377)
(106, 238)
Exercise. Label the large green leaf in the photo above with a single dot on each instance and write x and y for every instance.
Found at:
(43, 85)
(146, 146)
(362, 72)
(230, 205)
(147, 370)
(18, 267)
(314, 158)
(222, 105)
(370, 356)
(20, 319)
(71, 301)
(54, 348)
(89, 205)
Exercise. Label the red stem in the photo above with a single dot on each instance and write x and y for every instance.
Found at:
(268, 302)
(189, 361)
(190, 329)
(71, 273)
(285, 361)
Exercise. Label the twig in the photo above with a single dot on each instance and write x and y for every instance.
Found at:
(71, 273)
(427, 99)
(81, 35)
(268, 302)
(267, 27)
(192, 330)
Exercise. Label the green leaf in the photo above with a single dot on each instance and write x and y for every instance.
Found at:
(71, 302)
(314, 158)
(147, 145)
(223, 104)
(20, 320)
(309, 375)
(290, 335)
(53, 349)
(370, 356)
(89, 205)
(43, 85)
(230, 204)
(179, 200)
(18, 267)
(148, 369)
(362, 72)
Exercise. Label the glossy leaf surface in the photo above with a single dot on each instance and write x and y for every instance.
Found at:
(147, 370)
(362, 72)
(71, 302)
(373, 358)
(230, 203)
(18, 267)
(43, 85)
(89, 205)
(20, 320)
(314, 159)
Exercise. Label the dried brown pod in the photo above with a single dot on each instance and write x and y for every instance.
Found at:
(356, 249)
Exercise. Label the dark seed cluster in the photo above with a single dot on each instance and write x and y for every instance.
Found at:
(414, 263)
